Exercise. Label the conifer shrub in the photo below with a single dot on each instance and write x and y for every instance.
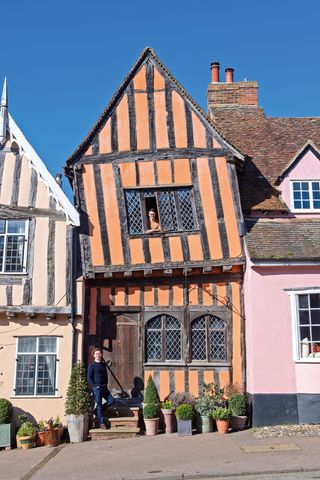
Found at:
(78, 397)
(151, 410)
(6, 411)
(151, 394)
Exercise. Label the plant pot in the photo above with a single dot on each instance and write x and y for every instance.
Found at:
(6, 434)
(152, 426)
(168, 415)
(238, 422)
(205, 424)
(184, 427)
(26, 442)
(222, 426)
(78, 427)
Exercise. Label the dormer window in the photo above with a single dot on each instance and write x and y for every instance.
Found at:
(305, 195)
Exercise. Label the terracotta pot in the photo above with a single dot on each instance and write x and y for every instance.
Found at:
(222, 426)
(168, 415)
(152, 426)
(238, 422)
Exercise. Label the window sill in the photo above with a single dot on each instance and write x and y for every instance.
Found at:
(164, 234)
(35, 396)
(208, 364)
(308, 360)
(165, 364)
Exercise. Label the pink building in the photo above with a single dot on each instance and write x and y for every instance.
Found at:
(280, 195)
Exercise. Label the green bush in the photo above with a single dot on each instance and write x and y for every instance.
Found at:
(237, 404)
(184, 412)
(78, 398)
(151, 394)
(6, 411)
(151, 410)
(167, 405)
(204, 406)
(221, 413)
(27, 429)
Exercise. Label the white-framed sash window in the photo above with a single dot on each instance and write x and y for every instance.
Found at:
(13, 245)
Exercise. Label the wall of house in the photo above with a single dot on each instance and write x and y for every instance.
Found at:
(273, 377)
(10, 329)
(308, 168)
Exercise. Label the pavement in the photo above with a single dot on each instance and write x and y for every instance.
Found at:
(169, 457)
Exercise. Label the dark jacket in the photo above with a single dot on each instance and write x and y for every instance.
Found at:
(97, 374)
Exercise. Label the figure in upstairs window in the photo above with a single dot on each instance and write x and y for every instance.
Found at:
(153, 221)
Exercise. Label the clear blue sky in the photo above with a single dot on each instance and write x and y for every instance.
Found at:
(65, 59)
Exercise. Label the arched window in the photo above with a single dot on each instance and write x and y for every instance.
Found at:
(208, 339)
(163, 339)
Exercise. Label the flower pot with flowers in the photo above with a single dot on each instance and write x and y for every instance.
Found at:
(168, 415)
(222, 417)
(184, 414)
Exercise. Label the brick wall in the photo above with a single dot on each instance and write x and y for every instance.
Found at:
(240, 93)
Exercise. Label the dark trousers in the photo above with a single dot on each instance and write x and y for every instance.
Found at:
(99, 394)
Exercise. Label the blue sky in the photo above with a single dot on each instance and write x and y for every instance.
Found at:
(65, 59)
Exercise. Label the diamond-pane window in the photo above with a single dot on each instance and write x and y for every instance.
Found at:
(36, 371)
(208, 339)
(174, 208)
(163, 339)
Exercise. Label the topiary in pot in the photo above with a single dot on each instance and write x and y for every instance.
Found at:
(151, 418)
(151, 394)
(6, 427)
(238, 407)
(184, 414)
(77, 404)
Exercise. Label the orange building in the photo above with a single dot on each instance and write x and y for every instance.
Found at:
(163, 290)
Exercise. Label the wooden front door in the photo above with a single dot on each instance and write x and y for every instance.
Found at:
(121, 346)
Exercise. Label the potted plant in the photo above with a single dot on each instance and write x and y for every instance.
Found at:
(47, 434)
(151, 394)
(237, 404)
(151, 418)
(6, 427)
(21, 419)
(77, 404)
(168, 415)
(27, 435)
(222, 417)
(57, 425)
(184, 414)
(204, 407)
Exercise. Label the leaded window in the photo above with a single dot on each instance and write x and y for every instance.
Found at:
(306, 195)
(208, 339)
(36, 366)
(308, 324)
(13, 246)
(174, 206)
(163, 339)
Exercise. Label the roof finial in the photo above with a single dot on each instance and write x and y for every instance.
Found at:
(4, 113)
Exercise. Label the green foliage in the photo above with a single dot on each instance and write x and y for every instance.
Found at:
(221, 413)
(178, 398)
(57, 422)
(22, 419)
(27, 429)
(204, 406)
(167, 405)
(151, 394)
(151, 410)
(237, 404)
(213, 391)
(184, 412)
(6, 411)
(78, 398)
(41, 425)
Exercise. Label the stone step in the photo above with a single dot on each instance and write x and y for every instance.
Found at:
(122, 411)
(126, 422)
(119, 432)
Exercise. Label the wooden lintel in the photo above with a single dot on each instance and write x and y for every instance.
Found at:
(147, 273)
(128, 273)
(30, 315)
(10, 314)
(124, 308)
(226, 268)
(50, 316)
(167, 272)
(107, 274)
(207, 270)
(187, 271)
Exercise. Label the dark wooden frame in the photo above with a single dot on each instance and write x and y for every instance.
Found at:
(199, 314)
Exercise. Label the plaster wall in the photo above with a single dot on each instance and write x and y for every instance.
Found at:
(308, 168)
(269, 330)
(36, 407)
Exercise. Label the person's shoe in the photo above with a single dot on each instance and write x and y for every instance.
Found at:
(102, 426)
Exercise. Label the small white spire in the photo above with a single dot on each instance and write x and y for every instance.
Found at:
(4, 113)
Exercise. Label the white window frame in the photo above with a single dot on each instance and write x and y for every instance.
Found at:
(295, 325)
(303, 210)
(37, 353)
(25, 251)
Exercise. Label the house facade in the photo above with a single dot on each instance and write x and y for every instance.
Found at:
(280, 198)
(161, 297)
(40, 326)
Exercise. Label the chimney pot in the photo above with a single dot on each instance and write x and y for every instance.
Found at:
(215, 67)
(229, 75)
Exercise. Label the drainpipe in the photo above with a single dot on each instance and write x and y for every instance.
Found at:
(73, 295)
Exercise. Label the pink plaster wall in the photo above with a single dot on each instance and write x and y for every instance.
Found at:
(270, 357)
(308, 168)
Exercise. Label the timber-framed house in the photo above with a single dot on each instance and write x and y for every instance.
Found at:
(163, 298)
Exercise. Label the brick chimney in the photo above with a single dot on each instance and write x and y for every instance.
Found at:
(232, 94)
